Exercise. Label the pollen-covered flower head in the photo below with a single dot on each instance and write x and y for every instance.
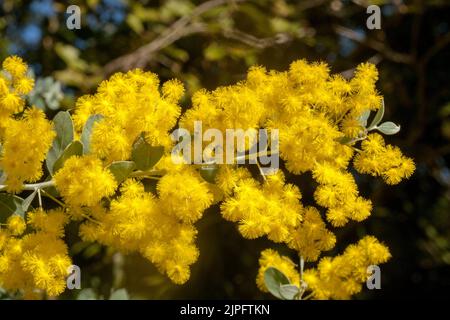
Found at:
(84, 181)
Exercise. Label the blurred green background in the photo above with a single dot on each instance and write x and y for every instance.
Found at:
(212, 43)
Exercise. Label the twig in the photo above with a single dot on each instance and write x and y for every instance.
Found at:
(33, 186)
(252, 41)
(39, 197)
(180, 28)
(62, 204)
(376, 45)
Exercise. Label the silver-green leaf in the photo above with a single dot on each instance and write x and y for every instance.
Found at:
(121, 170)
(209, 173)
(388, 128)
(363, 118)
(28, 200)
(10, 204)
(73, 149)
(87, 132)
(120, 294)
(274, 279)
(378, 116)
(289, 291)
(345, 140)
(63, 126)
(144, 155)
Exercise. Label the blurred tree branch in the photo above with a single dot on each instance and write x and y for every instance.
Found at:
(376, 45)
(181, 28)
(255, 42)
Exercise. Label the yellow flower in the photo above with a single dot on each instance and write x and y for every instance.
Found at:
(271, 259)
(312, 237)
(25, 145)
(84, 181)
(16, 225)
(185, 195)
(383, 160)
(15, 66)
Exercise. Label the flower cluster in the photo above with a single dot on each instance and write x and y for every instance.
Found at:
(272, 209)
(14, 83)
(78, 179)
(37, 261)
(344, 275)
(334, 278)
(139, 221)
(25, 144)
(103, 180)
(130, 104)
(383, 160)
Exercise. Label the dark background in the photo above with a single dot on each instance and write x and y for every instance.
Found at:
(216, 48)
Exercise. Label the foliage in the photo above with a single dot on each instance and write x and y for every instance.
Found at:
(126, 126)
(411, 52)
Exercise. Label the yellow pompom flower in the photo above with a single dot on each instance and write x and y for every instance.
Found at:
(383, 160)
(343, 276)
(312, 237)
(15, 66)
(271, 259)
(185, 195)
(84, 181)
(24, 85)
(25, 145)
(51, 222)
(16, 225)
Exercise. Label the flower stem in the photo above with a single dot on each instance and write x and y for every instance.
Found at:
(33, 186)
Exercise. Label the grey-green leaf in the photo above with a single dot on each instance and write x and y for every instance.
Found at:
(345, 140)
(63, 126)
(209, 173)
(289, 291)
(87, 132)
(87, 294)
(10, 204)
(27, 201)
(120, 294)
(73, 149)
(274, 279)
(144, 155)
(388, 128)
(363, 118)
(378, 116)
(121, 170)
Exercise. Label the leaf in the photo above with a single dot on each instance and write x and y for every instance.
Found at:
(2, 177)
(289, 291)
(28, 200)
(87, 294)
(10, 204)
(378, 116)
(120, 294)
(63, 126)
(388, 128)
(121, 170)
(144, 155)
(87, 131)
(73, 149)
(209, 173)
(344, 140)
(363, 118)
(274, 279)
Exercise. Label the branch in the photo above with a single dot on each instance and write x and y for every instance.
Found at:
(252, 41)
(438, 46)
(33, 186)
(379, 46)
(179, 29)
